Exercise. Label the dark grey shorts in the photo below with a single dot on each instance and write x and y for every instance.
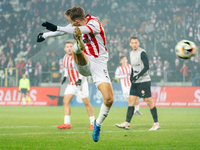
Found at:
(141, 89)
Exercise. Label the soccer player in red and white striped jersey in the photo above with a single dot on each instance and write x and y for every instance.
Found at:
(89, 54)
(70, 69)
(78, 86)
(123, 73)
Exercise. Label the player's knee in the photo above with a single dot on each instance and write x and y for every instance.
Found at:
(87, 104)
(65, 101)
(149, 102)
(108, 100)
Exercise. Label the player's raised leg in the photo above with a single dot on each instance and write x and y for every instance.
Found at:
(67, 111)
(79, 41)
(107, 92)
(78, 54)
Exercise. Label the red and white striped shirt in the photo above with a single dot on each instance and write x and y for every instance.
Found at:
(70, 69)
(95, 41)
(123, 73)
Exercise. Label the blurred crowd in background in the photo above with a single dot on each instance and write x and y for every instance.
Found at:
(159, 25)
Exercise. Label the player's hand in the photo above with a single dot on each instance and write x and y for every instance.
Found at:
(63, 80)
(133, 79)
(78, 83)
(49, 26)
(40, 37)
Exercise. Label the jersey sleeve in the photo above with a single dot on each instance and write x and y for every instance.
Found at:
(118, 75)
(93, 26)
(64, 68)
(51, 34)
(70, 30)
(145, 61)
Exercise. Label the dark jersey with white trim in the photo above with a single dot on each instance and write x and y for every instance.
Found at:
(140, 65)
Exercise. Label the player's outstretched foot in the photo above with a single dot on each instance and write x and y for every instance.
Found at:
(78, 38)
(96, 132)
(137, 113)
(64, 126)
(123, 125)
(91, 127)
(156, 126)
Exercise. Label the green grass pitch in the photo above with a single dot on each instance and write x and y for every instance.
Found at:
(35, 128)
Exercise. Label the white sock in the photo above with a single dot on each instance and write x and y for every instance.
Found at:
(137, 107)
(92, 119)
(102, 114)
(76, 49)
(67, 119)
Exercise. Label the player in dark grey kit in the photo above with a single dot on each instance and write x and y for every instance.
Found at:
(141, 84)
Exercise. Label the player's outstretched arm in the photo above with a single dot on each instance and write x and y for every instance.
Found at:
(42, 36)
(67, 29)
(70, 30)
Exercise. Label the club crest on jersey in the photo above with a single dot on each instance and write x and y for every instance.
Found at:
(136, 58)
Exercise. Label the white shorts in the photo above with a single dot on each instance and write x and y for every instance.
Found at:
(126, 91)
(81, 91)
(97, 68)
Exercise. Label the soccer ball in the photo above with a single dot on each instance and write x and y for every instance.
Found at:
(185, 49)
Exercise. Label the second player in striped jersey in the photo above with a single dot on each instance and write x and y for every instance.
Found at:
(123, 73)
(78, 85)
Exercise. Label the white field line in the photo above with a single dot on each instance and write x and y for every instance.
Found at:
(18, 127)
(81, 125)
(90, 132)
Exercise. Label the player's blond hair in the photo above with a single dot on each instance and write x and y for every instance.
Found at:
(75, 13)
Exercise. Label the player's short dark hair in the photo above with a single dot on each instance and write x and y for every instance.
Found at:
(68, 42)
(134, 38)
(75, 13)
(122, 57)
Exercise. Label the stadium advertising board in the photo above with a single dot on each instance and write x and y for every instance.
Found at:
(37, 96)
(161, 96)
(175, 96)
